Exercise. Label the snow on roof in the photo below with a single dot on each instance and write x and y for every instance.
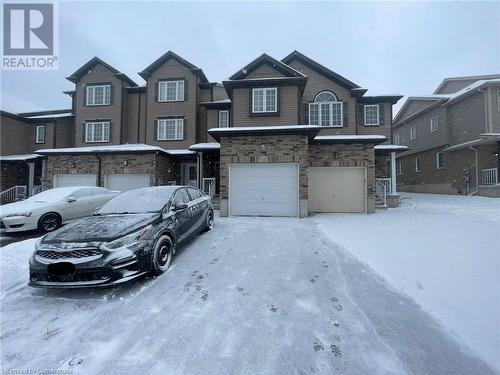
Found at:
(261, 128)
(390, 147)
(472, 86)
(350, 138)
(55, 115)
(92, 149)
(205, 146)
(179, 152)
(217, 101)
(18, 157)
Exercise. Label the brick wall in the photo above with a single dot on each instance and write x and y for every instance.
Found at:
(348, 155)
(264, 149)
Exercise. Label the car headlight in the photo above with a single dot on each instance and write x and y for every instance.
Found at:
(26, 214)
(129, 240)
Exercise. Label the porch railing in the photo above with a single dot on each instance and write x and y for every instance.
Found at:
(381, 191)
(12, 194)
(39, 188)
(209, 186)
(386, 181)
(489, 176)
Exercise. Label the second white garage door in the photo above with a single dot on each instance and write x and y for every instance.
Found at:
(337, 189)
(267, 189)
(63, 180)
(124, 182)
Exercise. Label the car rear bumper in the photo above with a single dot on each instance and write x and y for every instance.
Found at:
(97, 271)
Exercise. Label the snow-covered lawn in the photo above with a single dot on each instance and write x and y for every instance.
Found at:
(253, 296)
(443, 251)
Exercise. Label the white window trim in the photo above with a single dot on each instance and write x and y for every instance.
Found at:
(179, 136)
(437, 160)
(437, 127)
(411, 133)
(400, 167)
(88, 96)
(417, 164)
(330, 125)
(93, 123)
(264, 99)
(37, 134)
(179, 96)
(378, 114)
(227, 121)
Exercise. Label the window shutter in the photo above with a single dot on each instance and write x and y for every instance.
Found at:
(157, 87)
(84, 132)
(381, 114)
(184, 128)
(111, 94)
(345, 122)
(155, 122)
(361, 111)
(306, 113)
(185, 90)
(110, 132)
(84, 95)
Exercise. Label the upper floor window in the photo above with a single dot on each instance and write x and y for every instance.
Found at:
(326, 110)
(223, 119)
(98, 95)
(413, 132)
(434, 124)
(397, 139)
(97, 131)
(439, 160)
(170, 129)
(171, 91)
(265, 100)
(371, 115)
(40, 134)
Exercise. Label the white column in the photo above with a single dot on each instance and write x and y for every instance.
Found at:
(31, 178)
(393, 173)
(200, 169)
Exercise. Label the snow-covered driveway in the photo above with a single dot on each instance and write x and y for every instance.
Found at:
(254, 296)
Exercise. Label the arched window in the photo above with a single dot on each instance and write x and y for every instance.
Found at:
(326, 110)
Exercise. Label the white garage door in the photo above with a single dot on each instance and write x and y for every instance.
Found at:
(124, 182)
(337, 189)
(63, 180)
(263, 189)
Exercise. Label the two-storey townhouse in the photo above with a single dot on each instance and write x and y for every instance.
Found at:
(129, 136)
(453, 137)
(22, 134)
(298, 145)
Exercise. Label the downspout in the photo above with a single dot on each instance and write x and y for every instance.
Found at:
(99, 164)
(477, 170)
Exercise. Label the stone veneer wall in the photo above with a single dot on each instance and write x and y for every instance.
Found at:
(347, 155)
(160, 168)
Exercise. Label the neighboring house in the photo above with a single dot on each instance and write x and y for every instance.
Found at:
(453, 137)
(278, 138)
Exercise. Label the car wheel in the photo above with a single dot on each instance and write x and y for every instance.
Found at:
(209, 225)
(162, 254)
(49, 222)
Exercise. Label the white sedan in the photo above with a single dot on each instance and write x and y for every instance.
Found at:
(51, 208)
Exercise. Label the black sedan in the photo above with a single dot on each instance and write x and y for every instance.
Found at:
(131, 235)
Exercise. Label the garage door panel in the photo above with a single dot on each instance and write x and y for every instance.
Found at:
(64, 180)
(340, 189)
(124, 182)
(263, 189)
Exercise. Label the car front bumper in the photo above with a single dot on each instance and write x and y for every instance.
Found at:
(77, 271)
(12, 224)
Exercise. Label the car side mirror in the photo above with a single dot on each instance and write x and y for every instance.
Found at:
(180, 207)
(71, 199)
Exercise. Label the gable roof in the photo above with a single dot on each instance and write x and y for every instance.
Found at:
(171, 55)
(321, 69)
(430, 98)
(281, 67)
(80, 72)
(465, 78)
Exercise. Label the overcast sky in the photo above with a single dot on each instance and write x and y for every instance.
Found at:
(386, 47)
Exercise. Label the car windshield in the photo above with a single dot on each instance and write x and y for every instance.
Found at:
(138, 201)
(52, 195)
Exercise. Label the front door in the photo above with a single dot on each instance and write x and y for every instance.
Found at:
(189, 175)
